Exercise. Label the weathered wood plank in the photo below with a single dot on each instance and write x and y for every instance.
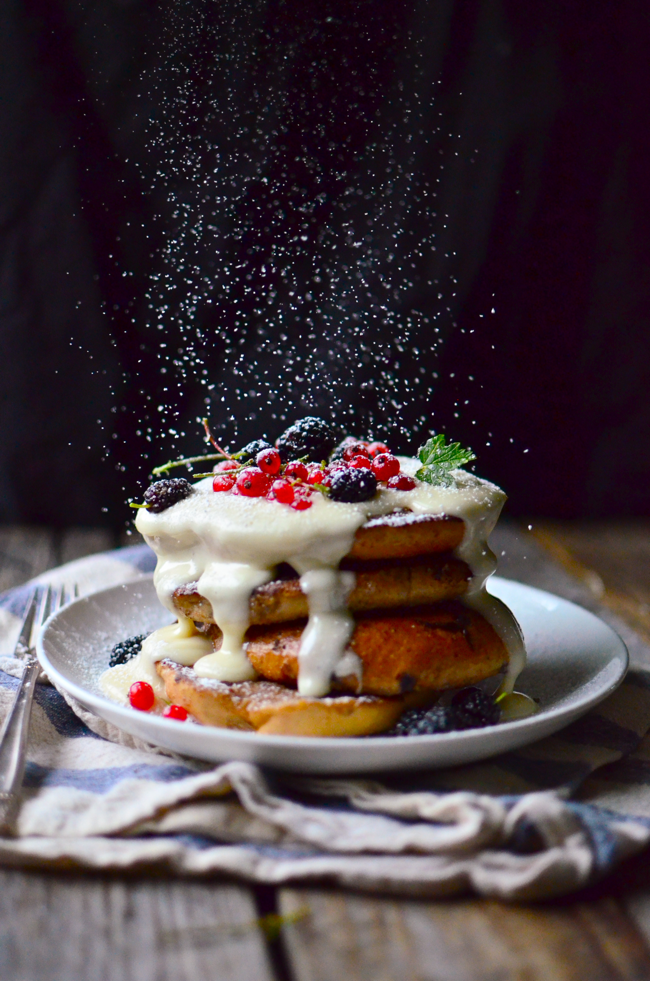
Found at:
(25, 552)
(611, 557)
(75, 543)
(59, 928)
(459, 940)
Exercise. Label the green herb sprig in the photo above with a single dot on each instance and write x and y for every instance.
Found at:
(438, 458)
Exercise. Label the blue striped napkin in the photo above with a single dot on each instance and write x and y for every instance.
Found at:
(538, 822)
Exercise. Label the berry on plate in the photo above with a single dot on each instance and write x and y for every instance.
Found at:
(175, 712)
(141, 696)
(424, 722)
(472, 709)
(125, 650)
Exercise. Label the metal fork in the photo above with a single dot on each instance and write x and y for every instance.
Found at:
(13, 738)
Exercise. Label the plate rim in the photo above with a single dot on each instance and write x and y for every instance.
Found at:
(380, 743)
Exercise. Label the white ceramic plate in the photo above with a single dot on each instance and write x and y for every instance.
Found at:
(574, 661)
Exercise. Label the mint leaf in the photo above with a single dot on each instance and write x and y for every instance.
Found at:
(438, 458)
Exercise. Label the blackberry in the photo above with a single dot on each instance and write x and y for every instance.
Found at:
(250, 451)
(473, 709)
(161, 495)
(353, 485)
(424, 722)
(311, 437)
(125, 650)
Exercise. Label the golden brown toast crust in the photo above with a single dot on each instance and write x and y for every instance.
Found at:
(379, 585)
(272, 709)
(429, 648)
(404, 535)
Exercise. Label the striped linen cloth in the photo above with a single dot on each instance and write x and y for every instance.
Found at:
(538, 822)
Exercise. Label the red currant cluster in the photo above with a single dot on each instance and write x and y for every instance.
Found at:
(290, 483)
(295, 482)
(143, 698)
(375, 457)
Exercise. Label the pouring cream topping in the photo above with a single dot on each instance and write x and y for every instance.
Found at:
(231, 544)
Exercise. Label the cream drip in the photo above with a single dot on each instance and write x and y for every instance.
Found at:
(328, 629)
(231, 545)
(178, 641)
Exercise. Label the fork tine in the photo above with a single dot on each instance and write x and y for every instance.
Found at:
(58, 598)
(43, 610)
(28, 620)
(70, 593)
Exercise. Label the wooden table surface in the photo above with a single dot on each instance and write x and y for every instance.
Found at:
(58, 927)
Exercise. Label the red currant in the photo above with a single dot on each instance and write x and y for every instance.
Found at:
(296, 469)
(141, 696)
(175, 712)
(252, 482)
(282, 491)
(375, 448)
(401, 482)
(316, 475)
(360, 461)
(355, 449)
(226, 465)
(269, 461)
(300, 503)
(385, 465)
(223, 481)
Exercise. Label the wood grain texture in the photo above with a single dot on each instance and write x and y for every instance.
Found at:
(56, 928)
(612, 558)
(460, 940)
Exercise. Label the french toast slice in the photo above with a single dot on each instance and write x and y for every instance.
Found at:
(404, 535)
(273, 709)
(378, 585)
(428, 648)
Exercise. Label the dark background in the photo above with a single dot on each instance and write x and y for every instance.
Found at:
(533, 124)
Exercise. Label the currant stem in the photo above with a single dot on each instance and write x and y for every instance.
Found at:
(213, 440)
(187, 461)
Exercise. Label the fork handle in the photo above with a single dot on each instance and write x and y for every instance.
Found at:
(13, 743)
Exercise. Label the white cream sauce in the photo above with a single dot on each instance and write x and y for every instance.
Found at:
(115, 682)
(330, 626)
(515, 705)
(178, 641)
(231, 544)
